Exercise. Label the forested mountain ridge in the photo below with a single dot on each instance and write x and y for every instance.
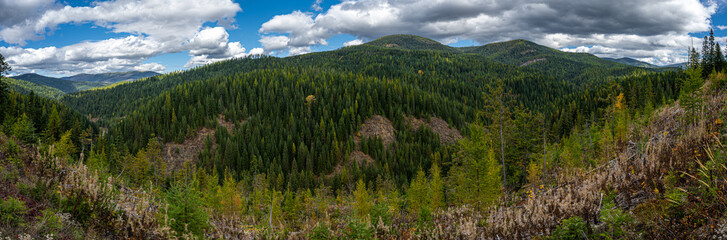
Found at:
(111, 77)
(632, 62)
(83, 82)
(64, 85)
(370, 59)
(411, 42)
(25, 87)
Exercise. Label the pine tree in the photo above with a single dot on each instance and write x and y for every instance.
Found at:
(418, 195)
(706, 62)
(719, 62)
(693, 59)
(231, 200)
(186, 208)
(53, 127)
(64, 146)
(4, 69)
(689, 97)
(362, 205)
(475, 179)
(436, 186)
(621, 113)
(154, 157)
(24, 129)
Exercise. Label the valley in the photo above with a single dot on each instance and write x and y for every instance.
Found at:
(401, 137)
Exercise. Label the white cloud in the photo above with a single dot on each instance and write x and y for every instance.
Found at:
(317, 6)
(625, 25)
(156, 27)
(161, 19)
(722, 27)
(274, 42)
(353, 43)
(212, 45)
(17, 11)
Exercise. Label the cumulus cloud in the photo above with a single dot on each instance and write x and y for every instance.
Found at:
(353, 43)
(156, 27)
(646, 25)
(212, 45)
(317, 5)
(161, 19)
(15, 12)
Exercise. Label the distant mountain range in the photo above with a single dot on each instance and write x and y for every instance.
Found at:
(632, 62)
(637, 63)
(111, 77)
(30, 82)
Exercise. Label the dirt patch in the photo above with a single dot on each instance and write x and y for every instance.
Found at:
(533, 61)
(175, 154)
(229, 125)
(447, 134)
(360, 158)
(355, 156)
(527, 51)
(377, 127)
(392, 45)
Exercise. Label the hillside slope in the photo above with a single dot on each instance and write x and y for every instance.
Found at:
(411, 42)
(632, 62)
(66, 86)
(111, 77)
(25, 87)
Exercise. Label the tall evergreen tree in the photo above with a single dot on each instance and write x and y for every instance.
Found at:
(4, 69)
(719, 61)
(706, 62)
(693, 59)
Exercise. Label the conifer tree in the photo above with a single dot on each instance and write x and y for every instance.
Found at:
(362, 205)
(719, 61)
(52, 129)
(418, 195)
(4, 69)
(436, 186)
(689, 96)
(24, 129)
(475, 178)
(231, 200)
(64, 146)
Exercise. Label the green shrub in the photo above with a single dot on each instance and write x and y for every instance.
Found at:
(11, 148)
(320, 232)
(49, 222)
(12, 211)
(185, 207)
(571, 228)
(617, 221)
(358, 230)
(425, 217)
(380, 211)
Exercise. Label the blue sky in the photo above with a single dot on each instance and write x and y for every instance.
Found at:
(66, 37)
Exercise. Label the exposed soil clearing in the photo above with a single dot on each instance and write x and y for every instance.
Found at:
(358, 157)
(377, 127)
(447, 134)
(175, 154)
(229, 125)
(533, 61)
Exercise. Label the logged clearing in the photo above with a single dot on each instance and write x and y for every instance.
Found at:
(532, 61)
(447, 134)
(176, 154)
(377, 127)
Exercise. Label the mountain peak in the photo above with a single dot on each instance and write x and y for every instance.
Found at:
(410, 42)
